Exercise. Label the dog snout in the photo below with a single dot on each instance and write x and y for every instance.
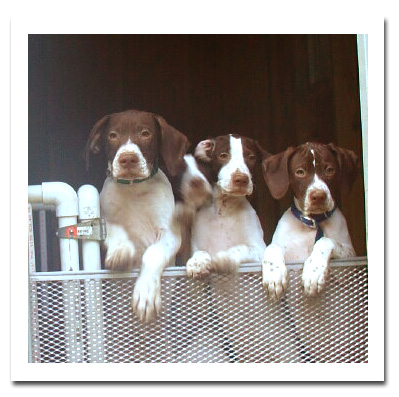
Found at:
(240, 180)
(318, 197)
(128, 160)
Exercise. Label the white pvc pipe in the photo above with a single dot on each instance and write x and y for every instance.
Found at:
(89, 209)
(62, 196)
(362, 50)
(65, 200)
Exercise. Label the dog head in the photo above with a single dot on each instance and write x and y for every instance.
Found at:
(134, 142)
(229, 161)
(317, 174)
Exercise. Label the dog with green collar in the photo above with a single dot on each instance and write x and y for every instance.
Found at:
(137, 200)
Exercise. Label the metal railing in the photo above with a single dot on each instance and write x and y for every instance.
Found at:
(86, 316)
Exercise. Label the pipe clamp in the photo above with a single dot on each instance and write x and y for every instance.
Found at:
(88, 230)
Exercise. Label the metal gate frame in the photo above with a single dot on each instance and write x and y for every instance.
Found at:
(230, 316)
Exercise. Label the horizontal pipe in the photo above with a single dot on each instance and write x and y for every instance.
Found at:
(35, 194)
(58, 194)
(62, 196)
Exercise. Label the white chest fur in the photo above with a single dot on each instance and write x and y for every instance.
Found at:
(141, 209)
(227, 223)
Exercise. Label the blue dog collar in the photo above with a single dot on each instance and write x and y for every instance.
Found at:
(312, 221)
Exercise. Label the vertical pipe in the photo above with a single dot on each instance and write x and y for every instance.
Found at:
(89, 209)
(31, 241)
(362, 51)
(33, 319)
(69, 248)
(65, 200)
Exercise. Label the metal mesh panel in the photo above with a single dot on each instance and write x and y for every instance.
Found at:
(229, 318)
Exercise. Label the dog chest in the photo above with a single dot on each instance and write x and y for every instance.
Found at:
(141, 209)
(214, 231)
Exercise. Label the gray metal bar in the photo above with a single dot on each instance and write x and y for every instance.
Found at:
(175, 271)
(43, 241)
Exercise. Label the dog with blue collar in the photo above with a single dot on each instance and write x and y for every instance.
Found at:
(313, 230)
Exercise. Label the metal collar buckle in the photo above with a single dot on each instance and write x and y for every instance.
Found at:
(308, 221)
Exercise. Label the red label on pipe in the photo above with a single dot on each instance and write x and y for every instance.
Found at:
(71, 231)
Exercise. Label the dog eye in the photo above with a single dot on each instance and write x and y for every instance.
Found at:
(113, 135)
(300, 172)
(252, 157)
(223, 156)
(145, 133)
(329, 170)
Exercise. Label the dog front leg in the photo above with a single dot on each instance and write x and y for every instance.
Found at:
(274, 271)
(147, 292)
(120, 250)
(229, 261)
(199, 265)
(315, 268)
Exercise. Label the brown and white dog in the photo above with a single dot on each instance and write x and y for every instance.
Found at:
(227, 231)
(313, 230)
(137, 201)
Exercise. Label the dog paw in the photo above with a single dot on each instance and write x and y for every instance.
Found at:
(274, 272)
(275, 278)
(119, 258)
(225, 262)
(199, 265)
(314, 275)
(147, 301)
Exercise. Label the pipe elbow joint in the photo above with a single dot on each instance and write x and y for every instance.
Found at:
(63, 196)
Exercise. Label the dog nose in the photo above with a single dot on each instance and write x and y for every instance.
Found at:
(240, 179)
(318, 197)
(127, 160)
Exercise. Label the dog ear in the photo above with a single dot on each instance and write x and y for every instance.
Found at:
(349, 166)
(204, 150)
(275, 172)
(174, 146)
(94, 142)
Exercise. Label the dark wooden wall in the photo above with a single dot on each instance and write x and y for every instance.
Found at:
(280, 89)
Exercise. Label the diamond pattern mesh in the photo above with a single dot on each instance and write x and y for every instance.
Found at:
(224, 319)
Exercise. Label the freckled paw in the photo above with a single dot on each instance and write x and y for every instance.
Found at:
(274, 278)
(146, 300)
(199, 265)
(314, 276)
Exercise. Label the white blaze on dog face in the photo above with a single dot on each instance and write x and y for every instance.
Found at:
(318, 198)
(314, 158)
(235, 166)
(129, 162)
(318, 187)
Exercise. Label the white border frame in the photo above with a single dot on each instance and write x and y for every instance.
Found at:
(21, 370)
